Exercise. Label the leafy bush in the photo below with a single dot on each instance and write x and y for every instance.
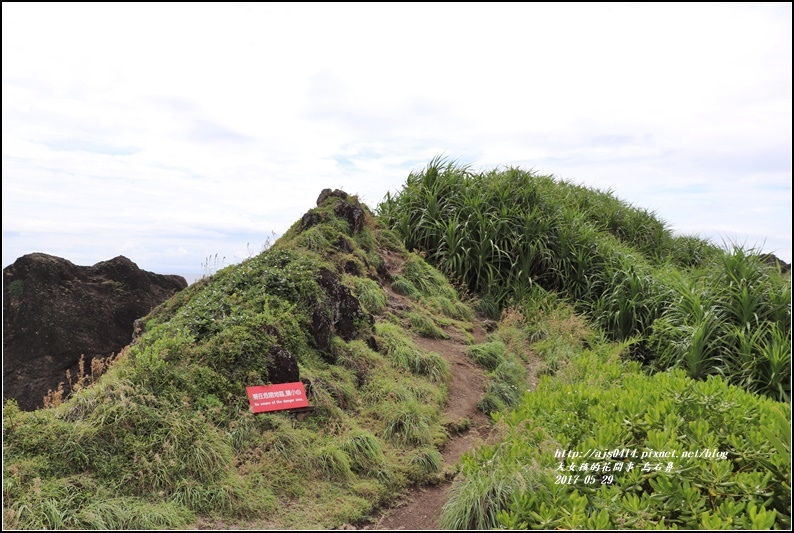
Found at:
(603, 407)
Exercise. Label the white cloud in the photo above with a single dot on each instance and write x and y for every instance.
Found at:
(171, 133)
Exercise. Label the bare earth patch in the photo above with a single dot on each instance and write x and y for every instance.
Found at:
(421, 508)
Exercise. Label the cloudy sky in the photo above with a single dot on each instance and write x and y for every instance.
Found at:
(171, 133)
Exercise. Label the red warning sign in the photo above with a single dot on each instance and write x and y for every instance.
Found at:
(277, 397)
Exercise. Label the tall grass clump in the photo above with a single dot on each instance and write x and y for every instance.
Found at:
(489, 355)
(476, 500)
(731, 318)
(364, 450)
(404, 353)
(408, 422)
(501, 231)
(680, 300)
(427, 461)
(424, 325)
(370, 294)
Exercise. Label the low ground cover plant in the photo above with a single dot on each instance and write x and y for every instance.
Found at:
(600, 444)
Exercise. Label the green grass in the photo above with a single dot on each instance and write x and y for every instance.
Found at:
(408, 423)
(489, 355)
(427, 461)
(364, 450)
(404, 286)
(424, 326)
(370, 294)
(166, 438)
(402, 352)
(597, 402)
(681, 301)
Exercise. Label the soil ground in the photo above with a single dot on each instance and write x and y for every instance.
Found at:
(420, 508)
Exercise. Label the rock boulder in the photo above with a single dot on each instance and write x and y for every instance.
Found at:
(55, 311)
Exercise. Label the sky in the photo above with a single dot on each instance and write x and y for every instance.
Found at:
(184, 137)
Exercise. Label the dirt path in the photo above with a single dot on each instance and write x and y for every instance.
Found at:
(420, 509)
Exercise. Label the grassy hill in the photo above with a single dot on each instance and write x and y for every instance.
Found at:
(602, 287)
(642, 341)
(166, 436)
(683, 301)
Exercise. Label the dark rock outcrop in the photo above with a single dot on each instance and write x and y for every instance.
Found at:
(282, 366)
(349, 211)
(341, 313)
(328, 193)
(310, 219)
(352, 213)
(773, 260)
(55, 311)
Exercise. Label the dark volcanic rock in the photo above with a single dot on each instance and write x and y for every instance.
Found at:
(344, 244)
(328, 193)
(352, 213)
(310, 219)
(320, 328)
(773, 260)
(349, 211)
(55, 311)
(383, 271)
(340, 313)
(282, 367)
(352, 268)
(345, 308)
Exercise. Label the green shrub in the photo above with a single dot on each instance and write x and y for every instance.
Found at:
(743, 483)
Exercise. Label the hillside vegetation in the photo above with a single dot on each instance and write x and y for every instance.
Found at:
(712, 326)
(683, 301)
(167, 436)
(662, 362)
(599, 444)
